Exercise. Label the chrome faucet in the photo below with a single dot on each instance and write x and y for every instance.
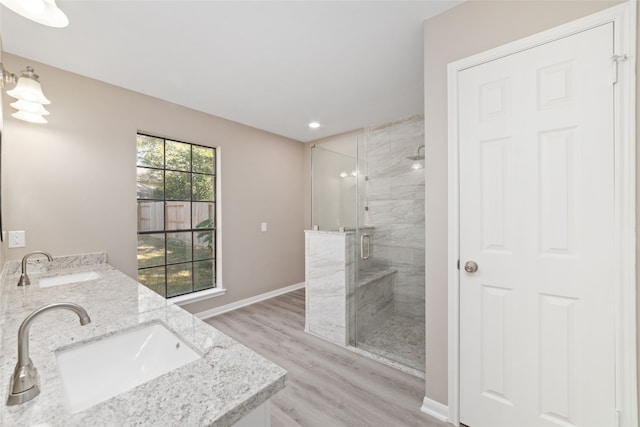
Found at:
(24, 381)
(24, 278)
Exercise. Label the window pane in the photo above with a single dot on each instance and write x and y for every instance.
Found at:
(150, 151)
(204, 215)
(153, 278)
(178, 186)
(203, 272)
(150, 250)
(178, 156)
(178, 279)
(178, 215)
(150, 185)
(203, 159)
(203, 187)
(150, 216)
(178, 247)
(203, 245)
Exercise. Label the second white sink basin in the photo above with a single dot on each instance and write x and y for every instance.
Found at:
(64, 279)
(99, 370)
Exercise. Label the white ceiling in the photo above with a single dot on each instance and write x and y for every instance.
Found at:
(271, 65)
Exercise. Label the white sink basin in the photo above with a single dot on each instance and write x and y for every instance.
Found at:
(98, 370)
(81, 276)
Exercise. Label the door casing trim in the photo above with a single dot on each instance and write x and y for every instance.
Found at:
(624, 18)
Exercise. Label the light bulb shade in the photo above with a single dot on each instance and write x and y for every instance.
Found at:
(28, 88)
(30, 107)
(44, 12)
(29, 117)
(416, 165)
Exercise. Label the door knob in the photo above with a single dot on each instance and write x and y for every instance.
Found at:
(470, 267)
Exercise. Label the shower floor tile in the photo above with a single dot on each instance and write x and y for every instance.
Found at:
(399, 338)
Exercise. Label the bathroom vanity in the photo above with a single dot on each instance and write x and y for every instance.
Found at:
(226, 385)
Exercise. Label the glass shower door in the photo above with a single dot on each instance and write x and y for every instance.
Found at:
(389, 243)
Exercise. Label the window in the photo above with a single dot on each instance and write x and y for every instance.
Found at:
(176, 216)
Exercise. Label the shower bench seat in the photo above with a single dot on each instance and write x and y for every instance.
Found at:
(374, 298)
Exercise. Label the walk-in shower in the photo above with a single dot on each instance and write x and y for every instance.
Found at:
(368, 203)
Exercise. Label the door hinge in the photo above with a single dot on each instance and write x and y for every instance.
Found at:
(617, 59)
(458, 264)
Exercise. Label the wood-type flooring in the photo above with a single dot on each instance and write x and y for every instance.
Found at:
(327, 385)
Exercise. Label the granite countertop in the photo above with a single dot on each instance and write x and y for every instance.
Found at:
(227, 383)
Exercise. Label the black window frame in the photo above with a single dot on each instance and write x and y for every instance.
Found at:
(192, 228)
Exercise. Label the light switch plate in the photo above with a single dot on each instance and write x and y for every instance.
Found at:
(17, 239)
(263, 227)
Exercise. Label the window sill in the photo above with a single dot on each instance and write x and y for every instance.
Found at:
(197, 296)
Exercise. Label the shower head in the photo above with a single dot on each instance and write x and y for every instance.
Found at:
(418, 156)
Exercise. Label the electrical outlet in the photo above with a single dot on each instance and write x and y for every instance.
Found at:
(264, 227)
(17, 239)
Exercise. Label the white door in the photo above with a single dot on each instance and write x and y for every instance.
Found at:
(537, 216)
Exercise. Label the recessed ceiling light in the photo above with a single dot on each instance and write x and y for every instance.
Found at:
(314, 125)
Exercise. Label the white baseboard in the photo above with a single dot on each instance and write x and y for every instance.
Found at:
(247, 301)
(435, 409)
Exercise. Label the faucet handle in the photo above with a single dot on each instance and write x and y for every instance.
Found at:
(24, 280)
(24, 385)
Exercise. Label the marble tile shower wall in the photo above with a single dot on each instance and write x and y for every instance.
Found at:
(329, 273)
(395, 197)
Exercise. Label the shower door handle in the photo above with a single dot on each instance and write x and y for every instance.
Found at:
(365, 238)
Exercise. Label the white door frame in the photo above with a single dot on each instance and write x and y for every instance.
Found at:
(624, 18)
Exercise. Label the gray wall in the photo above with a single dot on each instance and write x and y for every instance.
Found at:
(470, 28)
(71, 184)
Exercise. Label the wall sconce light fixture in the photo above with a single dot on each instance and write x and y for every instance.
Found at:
(44, 12)
(28, 92)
